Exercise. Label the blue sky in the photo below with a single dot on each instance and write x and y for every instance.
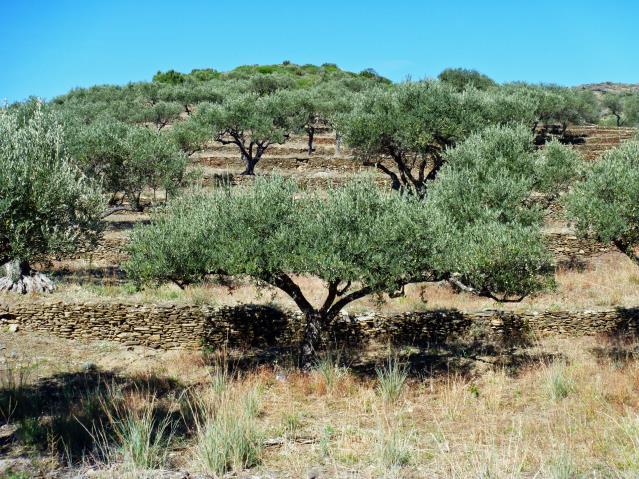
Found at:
(48, 47)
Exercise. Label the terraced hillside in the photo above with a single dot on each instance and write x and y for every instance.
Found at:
(593, 140)
(328, 164)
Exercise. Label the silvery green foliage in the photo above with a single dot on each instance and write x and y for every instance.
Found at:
(557, 167)
(357, 233)
(604, 204)
(462, 78)
(490, 232)
(413, 123)
(128, 158)
(250, 121)
(552, 104)
(47, 206)
(631, 109)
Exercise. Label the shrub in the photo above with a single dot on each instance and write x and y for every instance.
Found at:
(604, 204)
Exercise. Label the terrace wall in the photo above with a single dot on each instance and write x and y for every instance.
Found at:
(186, 326)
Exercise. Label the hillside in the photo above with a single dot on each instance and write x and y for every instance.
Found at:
(605, 87)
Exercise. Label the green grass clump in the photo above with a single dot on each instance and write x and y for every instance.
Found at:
(227, 436)
(391, 380)
(558, 382)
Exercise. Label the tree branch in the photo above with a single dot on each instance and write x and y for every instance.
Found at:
(349, 298)
(330, 297)
(286, 284)
(626, 249)
(395, 183)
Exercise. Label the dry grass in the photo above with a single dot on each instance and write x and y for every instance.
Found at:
(574, 413)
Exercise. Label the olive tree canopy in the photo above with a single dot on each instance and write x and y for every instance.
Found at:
(128, 158)
(604, 205)
(462, 78)
(249, 121)
(404, 131)
(358, 239)
(47, 206)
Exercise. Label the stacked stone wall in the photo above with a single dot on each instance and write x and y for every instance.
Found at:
(185, 326)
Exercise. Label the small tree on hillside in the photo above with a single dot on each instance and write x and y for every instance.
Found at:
(250, 122)
(128, 159)
(358, 239)
(308, 107)
(160, 114)
(461, 78)
(605, 204)
(614, 103)
(47, 206)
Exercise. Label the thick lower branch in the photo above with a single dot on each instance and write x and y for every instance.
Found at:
(626, 248)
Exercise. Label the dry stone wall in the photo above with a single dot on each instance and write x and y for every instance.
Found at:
(185, 326)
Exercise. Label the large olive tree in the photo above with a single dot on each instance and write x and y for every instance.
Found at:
(47, 205)
(605, 204)
(358, 239)
(404, 131)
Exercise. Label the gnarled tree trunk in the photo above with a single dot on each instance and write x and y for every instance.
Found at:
(18, 277)
(312, 340)
(311, 135)
(250, 167)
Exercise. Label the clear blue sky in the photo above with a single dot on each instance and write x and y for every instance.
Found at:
(48, 47)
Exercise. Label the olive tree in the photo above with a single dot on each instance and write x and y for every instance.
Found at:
(404, 131)
(127, 159)
(308, 110)
(159, 114)
(250, 122)
(492, 230)
(358, 239)
(604, 204)
(462, 78)
(552, 104)
(320, 106)
(615, 105)
(631, 109)
(47, 206)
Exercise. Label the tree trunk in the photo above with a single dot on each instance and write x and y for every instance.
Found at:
(18, 277)
(250, 167)
(338, 144)
(312, 340)
(311, 135)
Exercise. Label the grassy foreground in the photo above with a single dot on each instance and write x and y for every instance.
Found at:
(561, 408)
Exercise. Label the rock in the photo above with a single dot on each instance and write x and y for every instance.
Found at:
(13, 328)
(13, 466)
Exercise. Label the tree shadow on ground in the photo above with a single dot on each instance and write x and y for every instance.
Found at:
(68, 413)
(126, 225)
(430, 343)
(573, 263)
